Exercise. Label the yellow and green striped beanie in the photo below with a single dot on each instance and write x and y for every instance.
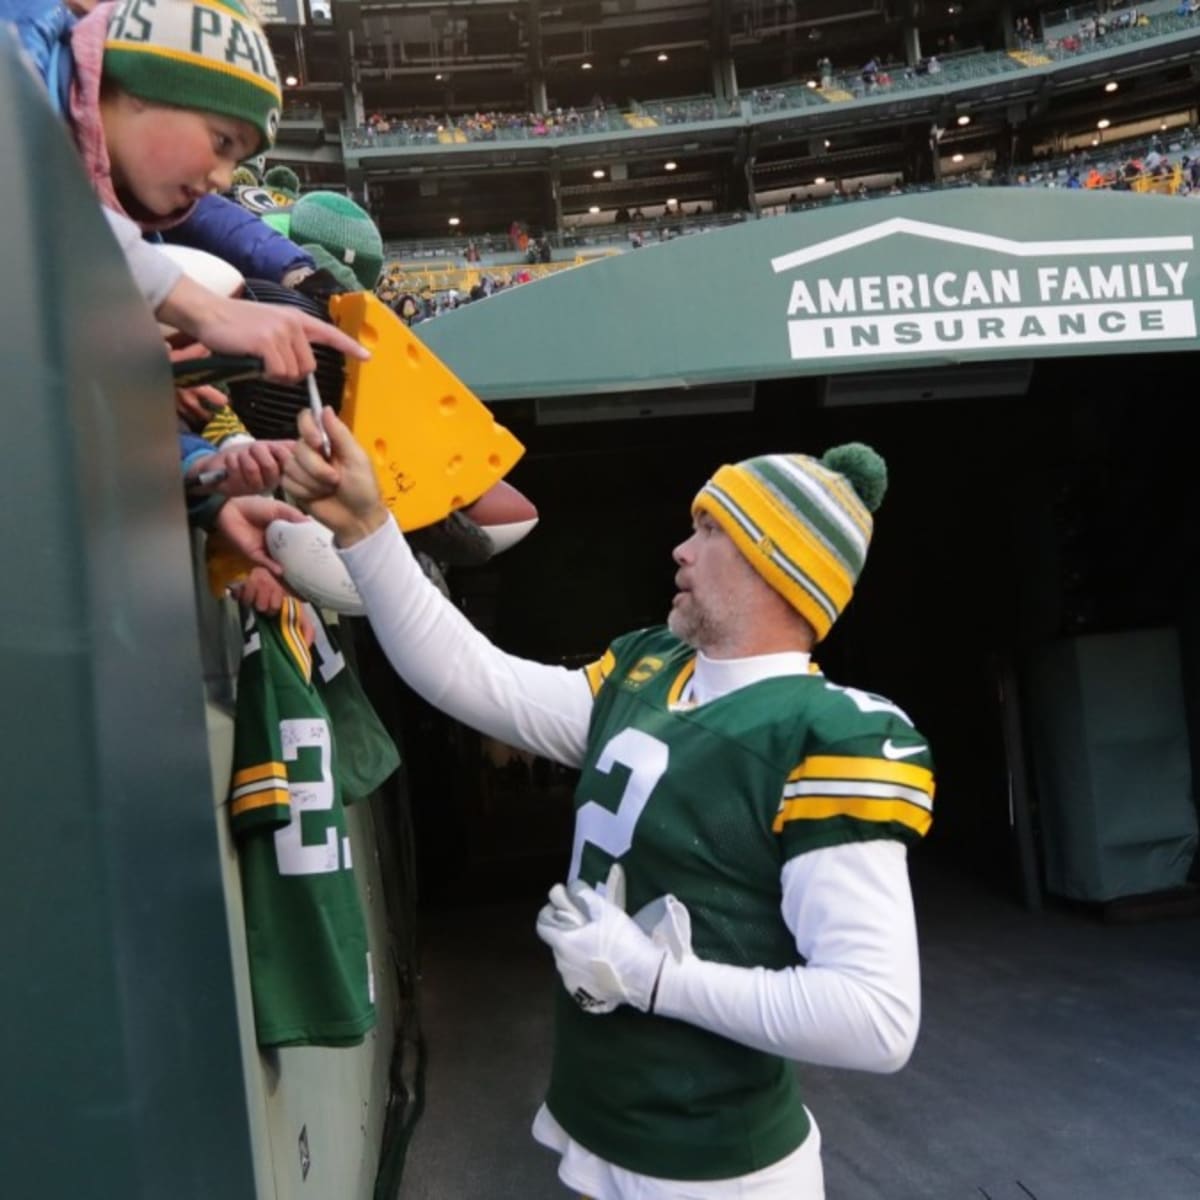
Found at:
(803, 524)
(206, 55)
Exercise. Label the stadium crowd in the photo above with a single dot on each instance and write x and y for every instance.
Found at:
(382, 129)
(412, 288)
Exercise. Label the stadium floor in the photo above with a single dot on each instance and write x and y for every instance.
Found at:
(1058, 1060)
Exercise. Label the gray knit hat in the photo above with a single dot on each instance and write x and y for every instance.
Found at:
(344, 228)
(203, 55)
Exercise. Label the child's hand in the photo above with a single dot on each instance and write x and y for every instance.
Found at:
(261, 591)
(251, 468)
(277, 334)
(243, 523)
(197, 405)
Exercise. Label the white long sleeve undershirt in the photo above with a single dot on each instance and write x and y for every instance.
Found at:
(154, 273)
(856, 1002)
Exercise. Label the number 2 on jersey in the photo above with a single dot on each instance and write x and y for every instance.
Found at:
(646, 759)
(293, 855)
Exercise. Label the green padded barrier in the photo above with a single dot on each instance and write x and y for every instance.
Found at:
(1113, 768)
(118, 1031)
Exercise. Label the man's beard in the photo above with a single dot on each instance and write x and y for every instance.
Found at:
(694, 624)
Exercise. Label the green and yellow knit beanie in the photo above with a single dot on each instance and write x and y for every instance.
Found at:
(803, 524)
(205, 55)
(344, 228)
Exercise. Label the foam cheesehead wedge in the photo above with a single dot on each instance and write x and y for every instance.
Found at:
(435, 445)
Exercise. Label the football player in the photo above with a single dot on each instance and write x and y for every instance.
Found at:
(738, 894)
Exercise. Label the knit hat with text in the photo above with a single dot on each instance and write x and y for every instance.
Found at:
(205, 55)
(803, 524)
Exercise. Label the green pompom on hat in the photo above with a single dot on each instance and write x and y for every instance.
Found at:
(283, 179)
(804, 524)
(863, 467)
(342, 227)
(207, 56)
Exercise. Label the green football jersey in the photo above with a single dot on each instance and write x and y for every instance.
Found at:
(310, 969)
(708, 803)
(366, 754)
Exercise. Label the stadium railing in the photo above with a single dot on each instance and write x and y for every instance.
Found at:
(766, 101)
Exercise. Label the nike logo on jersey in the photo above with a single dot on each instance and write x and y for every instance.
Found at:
(892, 751)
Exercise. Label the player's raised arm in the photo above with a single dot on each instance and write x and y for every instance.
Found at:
(431, 645)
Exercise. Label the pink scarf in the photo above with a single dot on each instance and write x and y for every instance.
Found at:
(87, 45)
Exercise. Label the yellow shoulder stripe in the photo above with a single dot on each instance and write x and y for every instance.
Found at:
(269, 797)
(293, 636)
(259, 772)
(681, 681)
(829, 766)
(817, 808)
(600, 670)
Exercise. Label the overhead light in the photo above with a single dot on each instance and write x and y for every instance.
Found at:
(956, 158)
(438, 77)
(828, 143)
(1095, 141)
(454, 221)
(819, 179)
(1111, 85)
(672, 202)
(598, 173)
(663, 56)
(812, 83)
(1163, 125)
(670, 166)
(595, 208)
(290, 81)
(586, 66)
(964, 119)
(1103, 123)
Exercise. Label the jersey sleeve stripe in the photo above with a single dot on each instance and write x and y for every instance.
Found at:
(857, 787)
(263, 795)
(600, 670)
(827, 766)
(267, 770)
(818, 808)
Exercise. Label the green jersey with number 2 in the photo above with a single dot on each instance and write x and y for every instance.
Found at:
(310, 971)
(709, 803)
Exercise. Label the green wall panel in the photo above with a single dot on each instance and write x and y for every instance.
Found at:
(118, 1030)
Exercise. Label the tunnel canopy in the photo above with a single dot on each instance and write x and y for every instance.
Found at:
(969, 275)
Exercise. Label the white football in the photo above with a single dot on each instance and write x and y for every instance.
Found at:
(304, 549)
(507, 535)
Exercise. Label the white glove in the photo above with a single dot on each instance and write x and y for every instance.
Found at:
(606, 958)
(669, 925)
